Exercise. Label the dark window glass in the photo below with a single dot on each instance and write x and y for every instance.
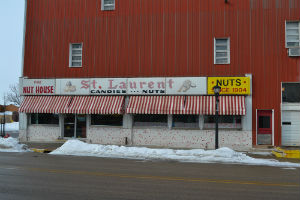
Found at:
(291, 92)
(224, 121)
(150, 120)
(44, 118)
(108, 120)
(187, 121)
(264, 121)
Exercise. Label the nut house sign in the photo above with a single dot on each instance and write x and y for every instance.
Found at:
(123, 86)
(37, 86)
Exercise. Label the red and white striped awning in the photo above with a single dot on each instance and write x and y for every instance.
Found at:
(45, 104)
(206, 105)
(97, 105)
(200, 105)
(156, 105)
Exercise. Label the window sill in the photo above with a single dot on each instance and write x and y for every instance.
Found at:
(223, 129)
(44, 125)
(185, 128)
(70, 138)
(105, 126)
(149, 127)
(222, 64)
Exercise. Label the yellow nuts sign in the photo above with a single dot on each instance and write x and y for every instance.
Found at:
(229, 85)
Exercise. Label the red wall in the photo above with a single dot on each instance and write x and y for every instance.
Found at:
(146, 38)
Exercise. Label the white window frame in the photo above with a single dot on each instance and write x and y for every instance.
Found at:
(286, 40)
(71, 54)
(227, 50)
(107, 7)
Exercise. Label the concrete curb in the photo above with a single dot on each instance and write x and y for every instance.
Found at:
(283, 153)
(40, 150)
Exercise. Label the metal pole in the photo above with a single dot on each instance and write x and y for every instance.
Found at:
(217, 122)
(1, 128)
(75, 126)
(4, 118)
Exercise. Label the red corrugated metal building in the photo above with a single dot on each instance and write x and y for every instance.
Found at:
(144, 39)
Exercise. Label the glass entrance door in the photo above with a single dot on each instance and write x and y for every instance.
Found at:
(75, 126)
(69, 125)
(80, 126)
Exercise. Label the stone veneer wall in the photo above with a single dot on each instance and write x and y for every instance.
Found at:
(158, 137)
(174, 138)
(180, 138)
(43, 132)
(108, 135)
(22, 136)
(237, 140)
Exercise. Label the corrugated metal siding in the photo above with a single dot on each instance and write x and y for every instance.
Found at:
(165, 38)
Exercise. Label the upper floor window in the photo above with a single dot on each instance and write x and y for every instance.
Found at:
(292, 36)
(291, 92)
(108, 5)
(222, 51)
(75, 58)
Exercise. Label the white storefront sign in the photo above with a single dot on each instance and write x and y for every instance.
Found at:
(104, 86)
(186, 85)
(116, 86)
(71, 87)
(37, 87)
(107, 86)
(146, 86)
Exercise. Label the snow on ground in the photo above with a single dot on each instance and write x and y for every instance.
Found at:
(222, 155)
(14, 126)
(6, 113)
(11, 145)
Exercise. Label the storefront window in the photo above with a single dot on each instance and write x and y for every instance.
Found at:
(107, 120)
(151, 120)
(225, 121)
(44, 118)
(186, 121)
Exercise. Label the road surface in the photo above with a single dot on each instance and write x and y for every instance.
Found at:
(30, 176)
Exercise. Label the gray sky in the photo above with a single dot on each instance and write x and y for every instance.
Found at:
(11, 40)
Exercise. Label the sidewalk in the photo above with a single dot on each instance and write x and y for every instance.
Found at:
(56, 144)
(259, 151)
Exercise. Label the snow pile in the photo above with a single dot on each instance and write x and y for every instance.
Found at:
(11, 145)
(222, 155)
(14, 126)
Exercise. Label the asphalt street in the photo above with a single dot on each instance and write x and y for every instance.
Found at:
(42, 176)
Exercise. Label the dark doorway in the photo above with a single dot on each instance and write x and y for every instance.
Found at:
(264, 127)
